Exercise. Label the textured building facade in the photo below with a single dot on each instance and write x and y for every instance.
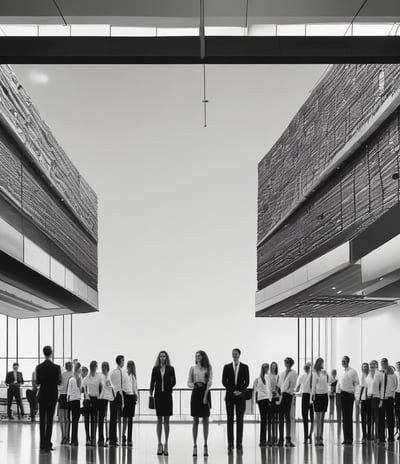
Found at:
(330, 178)
(48, 216)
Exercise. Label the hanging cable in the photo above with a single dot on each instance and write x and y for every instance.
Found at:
(205, 101)
(60, 12)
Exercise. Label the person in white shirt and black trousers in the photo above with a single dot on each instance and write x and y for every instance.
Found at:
(235, 379)
(319, 396)
(346, 386)
(287, 385)
(389, 389)
(366, 404)
(116, 406)
(307, 408)
(397, 398)
(263, 397)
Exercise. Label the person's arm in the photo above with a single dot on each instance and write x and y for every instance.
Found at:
(59, 376)
(173, 378)
(356, 380)
(69, 387)
(246, 380)
(298, 383)
(37, 377)
(313, 387)
(225, 377)
(190, 382)
(6, 381)
(208, 386)
(21, 382)
(152, 381)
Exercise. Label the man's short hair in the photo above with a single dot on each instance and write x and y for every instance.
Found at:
(289, 361)
(47, 350)
(15, 364)
(237, 349)
(119, 358)
(346, 358)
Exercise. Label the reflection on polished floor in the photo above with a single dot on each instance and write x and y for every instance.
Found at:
(19, 443)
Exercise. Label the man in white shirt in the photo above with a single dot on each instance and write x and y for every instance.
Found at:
(346, 386)
(304, 386)
(116, 406)
(389, 389)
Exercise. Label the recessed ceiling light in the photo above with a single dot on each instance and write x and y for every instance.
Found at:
(381, 278)
(340, 291)
(39, 77)
(333, 288)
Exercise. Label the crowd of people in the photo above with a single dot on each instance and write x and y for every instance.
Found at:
(82, 391)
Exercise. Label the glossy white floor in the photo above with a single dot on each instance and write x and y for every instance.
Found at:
(19, 444)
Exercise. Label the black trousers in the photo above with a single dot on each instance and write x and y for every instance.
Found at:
(284, 415)
(14, 392)
(378, 414)
(397, 409)
(264, 406)
(94, 417)
(388, 405)
(366, 417)
(306, 410)
(75, 407)
(87, 412)
(46, 415)
(233, 403)
(102, 405)
(115, 412)
(347, 402)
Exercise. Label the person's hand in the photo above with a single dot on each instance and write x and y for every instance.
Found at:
(205, 401)
(237, 393)
(380, 403)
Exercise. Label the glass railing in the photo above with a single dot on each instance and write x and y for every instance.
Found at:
(263, 30)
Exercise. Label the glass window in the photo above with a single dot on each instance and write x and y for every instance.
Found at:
(54, 30)
(93, 297)
(90, 30)
(291, 29)
(327, 29)
(117, 31)
(263, 30)
(20, 30)
(36, 258)
(69, 280)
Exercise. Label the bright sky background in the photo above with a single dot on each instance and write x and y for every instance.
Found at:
(177, 203)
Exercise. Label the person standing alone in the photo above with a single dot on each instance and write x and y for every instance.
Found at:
(14, 380)
(235, 379)
(48, 378)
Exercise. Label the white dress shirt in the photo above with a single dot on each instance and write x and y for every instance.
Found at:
(347, 381)
(91, 385)
(364, 382)
(397, 374)
(320, 385)
(129, 384)
(391, 385)
(287, 381)
(236, 370)
(73, 391)
(304, 381)
(107, 392)
(261, 389)
(116, 377)
(376, 382)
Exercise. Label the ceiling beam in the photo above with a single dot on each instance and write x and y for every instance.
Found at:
(185, 50)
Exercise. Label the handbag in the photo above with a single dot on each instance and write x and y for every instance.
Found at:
(248, 394)
(152, 403)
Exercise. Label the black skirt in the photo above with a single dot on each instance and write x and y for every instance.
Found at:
(197, 407)
(163, 402)
(129, 405)
(321, 402)
(62, 402)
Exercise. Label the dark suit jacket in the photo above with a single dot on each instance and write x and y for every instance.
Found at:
(156, 380)
(228, 378)
(10, 379)
(48, 378)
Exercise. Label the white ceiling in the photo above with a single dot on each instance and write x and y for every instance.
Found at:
(186, 12)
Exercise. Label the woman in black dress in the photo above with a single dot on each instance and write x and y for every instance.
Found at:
(200, 379)
(162, 382)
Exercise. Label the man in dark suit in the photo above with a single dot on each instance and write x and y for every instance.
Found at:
(48, 377)
(14, 380)
(235, 379)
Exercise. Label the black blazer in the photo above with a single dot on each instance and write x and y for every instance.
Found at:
(228, 378)
(10, 379)
(48, 378)
(156, 380)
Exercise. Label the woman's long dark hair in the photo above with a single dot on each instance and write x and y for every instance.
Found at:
(78, 378)
(205, 362)
(275, 364)
(264, 367)
(131, 367)
(167, 360)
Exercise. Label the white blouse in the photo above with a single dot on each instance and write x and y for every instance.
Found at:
(320, 384)
(62, 388)
(129, 385)
(287, 381)
(73, 391)
(199, 374)
(107, 391)
(262, 390)
(92, 385)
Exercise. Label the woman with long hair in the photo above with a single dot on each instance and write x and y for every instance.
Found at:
(74, 401)
(274, 380)
(162, 382)
(200, 380)
(130, 392)
(366, 404)
(263, 396)
(92, 386)
(106, 395)
(319, 397)
(63, 411)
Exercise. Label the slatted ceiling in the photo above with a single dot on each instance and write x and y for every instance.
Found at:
(323, 299)
(346, 306)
